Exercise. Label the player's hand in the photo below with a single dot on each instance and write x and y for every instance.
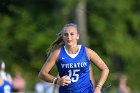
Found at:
(64, 81)
(97, 90)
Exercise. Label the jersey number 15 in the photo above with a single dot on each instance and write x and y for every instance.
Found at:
(73, 75)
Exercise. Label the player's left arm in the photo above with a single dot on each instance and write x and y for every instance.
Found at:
(94, 57)
(10, 78)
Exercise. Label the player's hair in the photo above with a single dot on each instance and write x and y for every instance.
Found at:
(56, 44)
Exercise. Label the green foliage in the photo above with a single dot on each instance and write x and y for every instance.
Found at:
(114, 28)
(27, 29)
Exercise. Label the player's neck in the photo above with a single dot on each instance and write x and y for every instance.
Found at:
(72, 49)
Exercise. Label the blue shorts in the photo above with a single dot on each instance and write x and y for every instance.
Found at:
(88, 89)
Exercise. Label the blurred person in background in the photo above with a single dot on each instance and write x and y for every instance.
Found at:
(44, 87)
(5, 86)
(123, 86)
(73, 64)
(6, 76)
(19, 83)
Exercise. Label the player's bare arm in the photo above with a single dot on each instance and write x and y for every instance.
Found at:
(93, 56)
(44, 73)
(50, 62)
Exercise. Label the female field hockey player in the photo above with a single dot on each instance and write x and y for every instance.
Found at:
(5, 85)
(6, 76)
(73, 64)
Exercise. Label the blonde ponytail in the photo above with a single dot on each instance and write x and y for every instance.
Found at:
(56, 44)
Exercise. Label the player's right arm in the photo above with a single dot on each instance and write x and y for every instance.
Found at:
(44, 72)
(50, 62)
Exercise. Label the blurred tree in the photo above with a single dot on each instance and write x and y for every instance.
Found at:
(80, 18)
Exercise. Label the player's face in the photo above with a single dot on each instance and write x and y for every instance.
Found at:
(70, 36)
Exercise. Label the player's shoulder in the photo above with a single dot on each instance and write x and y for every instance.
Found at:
(56, 52)
(89, 51)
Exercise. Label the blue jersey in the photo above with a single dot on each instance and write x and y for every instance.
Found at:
(6, 87)
(76, 68)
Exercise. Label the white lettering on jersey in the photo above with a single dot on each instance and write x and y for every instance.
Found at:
(74, 65)
(7, 89)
